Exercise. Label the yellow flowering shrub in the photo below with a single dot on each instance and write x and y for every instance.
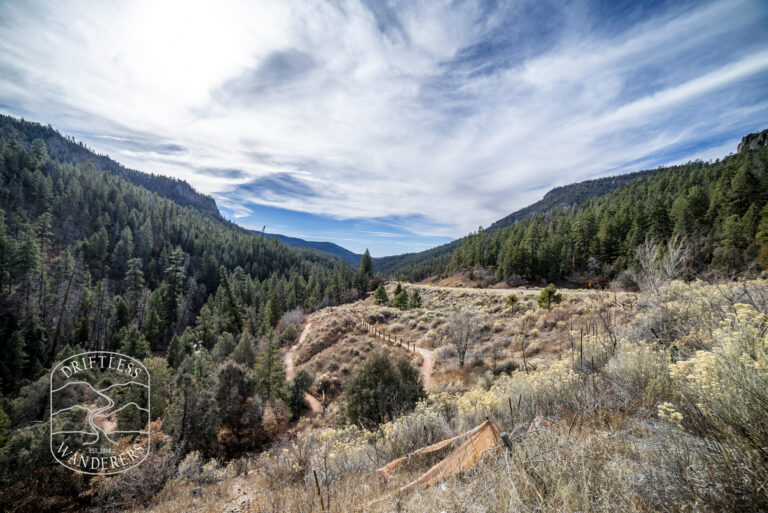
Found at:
(639, 371)
(729, 382)
(668, 412)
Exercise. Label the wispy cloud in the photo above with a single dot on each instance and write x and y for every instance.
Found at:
(438, 115)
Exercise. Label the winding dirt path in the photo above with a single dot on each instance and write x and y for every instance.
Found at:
(427, 356)
(427, 364)
(290, 370)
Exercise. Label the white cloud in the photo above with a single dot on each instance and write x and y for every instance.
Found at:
(372, 112)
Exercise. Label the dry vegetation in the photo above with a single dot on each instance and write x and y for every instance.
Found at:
(654, 403)
(523, 336)
(335, 347)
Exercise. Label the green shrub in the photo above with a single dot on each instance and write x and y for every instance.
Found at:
(288, 335)
(296, 388)
(382, 390)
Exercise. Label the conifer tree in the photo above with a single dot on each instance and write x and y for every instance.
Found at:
(381, 295)
(273, 310)
(400, 300)
(133, 343)
(549, 296)
(415, 300)
(239, 412)
(232, 315)
(244, 353)
(153, 327)
(270, 374)
(135, 283)
(296, 389)
(174, 279)
(363, 276)
(176, 352)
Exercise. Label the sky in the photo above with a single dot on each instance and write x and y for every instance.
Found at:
(389, 125)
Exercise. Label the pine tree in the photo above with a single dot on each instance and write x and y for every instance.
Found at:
(400, 300)
(549, 296)
(296, 389)
(363, 276)
(232, 315)
(81, 331)
(270, 374)
(14, 361)
(273, 310)
(365, 263)
(39, 153)
(121, 316)
(415, 300)
(160, 378)
(194, 418)
(382, 389)
(239, 412)
(381, 295)
(133, 343)
(44, 235)
(135, 284)
(176, 352)
(244, 353)
(153, 327)
(28, 262)
(7, 252)
(174, 279)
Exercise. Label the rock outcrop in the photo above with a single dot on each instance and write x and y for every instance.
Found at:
(753, 142)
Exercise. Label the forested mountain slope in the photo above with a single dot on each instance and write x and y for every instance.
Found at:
(573, 194)
(66, 149)
(90, 259)
(590, 231)
(416, 266)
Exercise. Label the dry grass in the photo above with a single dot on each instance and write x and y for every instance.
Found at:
(632, 425)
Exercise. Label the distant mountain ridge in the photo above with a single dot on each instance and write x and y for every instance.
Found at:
(432, 261)
(330, 248)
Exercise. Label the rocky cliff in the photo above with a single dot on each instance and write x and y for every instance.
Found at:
(753, 142)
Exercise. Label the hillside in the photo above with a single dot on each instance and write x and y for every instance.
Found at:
(92, 260)
(417, 266)
(330, 248)
(585, 385)
(571, 195)
(66, 149)
(589, 232)
(610, 401)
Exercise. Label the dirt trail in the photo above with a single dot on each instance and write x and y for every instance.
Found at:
(427, 356)
(290, 370)
(427, 364)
